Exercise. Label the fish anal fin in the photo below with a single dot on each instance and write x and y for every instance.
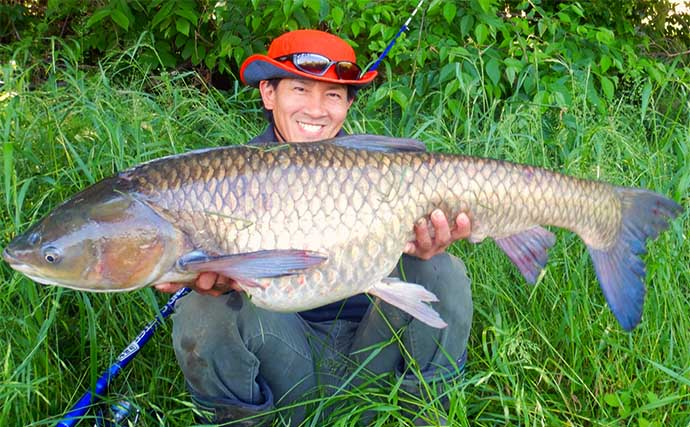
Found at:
(245, 268)
(528, 250)
(410, 298)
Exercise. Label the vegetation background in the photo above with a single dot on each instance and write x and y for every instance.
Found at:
(594, 89)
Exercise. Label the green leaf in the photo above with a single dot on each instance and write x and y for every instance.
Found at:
(485, 5)
(575, 7)
(449, 11)
(481, 32)
(646, 94)
(451, 88)
(605, 63)
(98, 16)
(511, 74)
(314, 5)
(542, 98)
(256, 23)
(607, 87)
(199, 54)
(210, 61)
(493, 70)
(182, 26)
(188, 49)
(162, 14)
(605, 36)
(612, 400)
(180, 40)
(337, 15)
(188, 14)
(120, 19)
(400, 98)
(564, 17)
(560, 95)
(355, 27)
(466, 23)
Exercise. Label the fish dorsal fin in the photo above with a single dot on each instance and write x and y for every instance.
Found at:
(245, 267)
(380, 143)
(527, 250)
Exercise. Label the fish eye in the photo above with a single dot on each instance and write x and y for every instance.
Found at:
(51, 255)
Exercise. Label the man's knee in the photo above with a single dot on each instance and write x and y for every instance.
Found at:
(208, 345)
(200, 322)
(445, 275)
(225, 345)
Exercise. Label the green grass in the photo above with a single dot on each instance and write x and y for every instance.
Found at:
(551, 354)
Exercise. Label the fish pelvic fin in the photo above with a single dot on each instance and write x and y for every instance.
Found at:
(528, 251)
(410, 298)
(619, 268)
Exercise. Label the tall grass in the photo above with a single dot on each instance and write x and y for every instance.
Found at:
(546, 355)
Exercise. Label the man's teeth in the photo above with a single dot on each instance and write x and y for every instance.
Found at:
(310, 128)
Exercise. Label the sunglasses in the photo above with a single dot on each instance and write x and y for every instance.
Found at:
(317, 65)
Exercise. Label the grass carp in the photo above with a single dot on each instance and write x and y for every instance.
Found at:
(303, 225)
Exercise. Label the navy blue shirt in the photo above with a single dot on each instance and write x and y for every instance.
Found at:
(352, 308)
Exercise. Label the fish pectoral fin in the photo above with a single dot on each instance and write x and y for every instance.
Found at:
(381, 143)
(253, 265)
(527, 250)
(410, 298)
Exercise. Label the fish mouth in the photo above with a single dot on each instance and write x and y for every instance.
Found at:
(25, 269)
(7, 256)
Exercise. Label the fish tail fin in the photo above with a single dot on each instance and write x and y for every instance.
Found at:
(619, 268)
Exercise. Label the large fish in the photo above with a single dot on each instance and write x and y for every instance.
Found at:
(302, 225)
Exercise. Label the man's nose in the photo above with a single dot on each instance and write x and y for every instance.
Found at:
(314, 104)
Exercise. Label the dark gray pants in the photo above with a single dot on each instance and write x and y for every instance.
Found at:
(240, 360)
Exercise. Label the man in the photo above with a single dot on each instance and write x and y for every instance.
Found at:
(240, 361)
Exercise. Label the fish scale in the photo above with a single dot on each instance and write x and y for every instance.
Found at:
(303, 225)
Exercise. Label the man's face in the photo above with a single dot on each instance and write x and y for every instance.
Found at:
(306, 110)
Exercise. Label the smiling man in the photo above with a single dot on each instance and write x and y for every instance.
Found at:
(239, 361)
(305, 110)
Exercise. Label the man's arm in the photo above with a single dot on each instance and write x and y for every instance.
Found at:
(207, 284)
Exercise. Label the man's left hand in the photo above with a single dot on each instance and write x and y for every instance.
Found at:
(425, 247)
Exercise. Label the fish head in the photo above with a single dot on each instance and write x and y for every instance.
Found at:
(102, 239)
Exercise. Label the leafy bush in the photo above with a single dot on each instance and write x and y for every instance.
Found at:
(526, 51)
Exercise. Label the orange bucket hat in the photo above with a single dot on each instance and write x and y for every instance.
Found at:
(279, 62)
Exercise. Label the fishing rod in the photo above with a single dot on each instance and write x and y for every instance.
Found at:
(90, 397)
(392, 42)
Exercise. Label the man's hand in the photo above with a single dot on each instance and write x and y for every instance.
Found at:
(425, 247)
(206, 284)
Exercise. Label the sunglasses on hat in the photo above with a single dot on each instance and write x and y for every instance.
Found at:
(317, 65)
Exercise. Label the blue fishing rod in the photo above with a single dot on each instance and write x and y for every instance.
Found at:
(91, 397)
(392, 42)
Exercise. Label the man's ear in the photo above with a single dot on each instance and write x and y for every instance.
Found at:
(268, 94)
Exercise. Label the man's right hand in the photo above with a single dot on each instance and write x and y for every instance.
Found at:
(207, 283)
